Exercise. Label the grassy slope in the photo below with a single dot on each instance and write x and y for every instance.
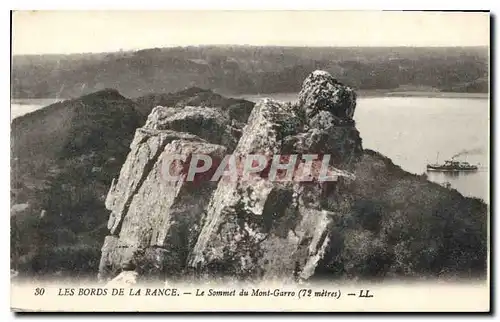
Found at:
(400, 224)
(64, 157)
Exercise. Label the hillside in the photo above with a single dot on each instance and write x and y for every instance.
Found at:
(63, 158)
(246, 70)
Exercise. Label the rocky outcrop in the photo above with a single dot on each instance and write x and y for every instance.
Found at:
(154, 221)
(208, 123)
(369, 219)
(239, 226)
(322, 92)
(251, 224)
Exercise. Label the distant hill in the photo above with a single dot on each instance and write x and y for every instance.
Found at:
(247, 70)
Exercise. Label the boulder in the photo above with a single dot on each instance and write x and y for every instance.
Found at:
(207, 123)
(322, 92)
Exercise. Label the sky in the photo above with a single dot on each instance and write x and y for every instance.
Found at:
(40, 32)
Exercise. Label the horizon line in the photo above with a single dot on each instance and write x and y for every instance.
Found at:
(247, 45)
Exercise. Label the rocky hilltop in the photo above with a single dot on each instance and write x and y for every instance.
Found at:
(372, 220)
(64, 158)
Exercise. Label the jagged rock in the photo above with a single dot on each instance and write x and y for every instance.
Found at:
(328, 134)
(250, 223)
(207, 123)
(161, 210)
(266, 127)
(146, 149)
(247, 223)
(322, 92)
(154, 220)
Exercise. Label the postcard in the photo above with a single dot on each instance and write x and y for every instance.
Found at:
(250, 161)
